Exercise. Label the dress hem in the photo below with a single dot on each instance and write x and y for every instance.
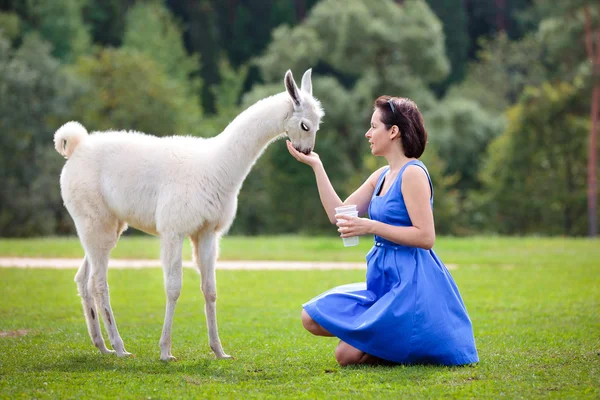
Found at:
(358, 345)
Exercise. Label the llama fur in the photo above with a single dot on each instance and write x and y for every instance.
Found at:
(173, 187)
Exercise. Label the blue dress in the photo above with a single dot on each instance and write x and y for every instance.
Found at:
(409, 311)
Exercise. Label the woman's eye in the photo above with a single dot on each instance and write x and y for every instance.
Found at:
(303, 126)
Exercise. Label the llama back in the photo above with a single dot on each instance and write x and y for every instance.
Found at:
(144, 180)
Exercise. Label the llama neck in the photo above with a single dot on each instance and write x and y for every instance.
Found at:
(246, 137)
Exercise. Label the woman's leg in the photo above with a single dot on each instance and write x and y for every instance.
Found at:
(344, 353)
(311, 326)
(348, 355)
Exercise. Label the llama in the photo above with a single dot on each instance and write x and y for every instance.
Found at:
(173, 187)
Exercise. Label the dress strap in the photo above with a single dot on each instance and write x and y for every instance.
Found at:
(420, 164)
(380, 181)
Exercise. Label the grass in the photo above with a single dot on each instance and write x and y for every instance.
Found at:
(503, 251)
(534, 304)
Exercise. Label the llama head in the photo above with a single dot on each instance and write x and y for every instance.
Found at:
(302, 126)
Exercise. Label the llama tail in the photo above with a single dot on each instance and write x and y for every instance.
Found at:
(68, 136)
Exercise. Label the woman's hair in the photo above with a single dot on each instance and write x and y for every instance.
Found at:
(405, 114)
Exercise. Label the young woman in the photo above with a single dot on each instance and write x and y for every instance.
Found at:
(409, 310)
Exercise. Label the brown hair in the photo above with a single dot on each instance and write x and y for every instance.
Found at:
(405, 114)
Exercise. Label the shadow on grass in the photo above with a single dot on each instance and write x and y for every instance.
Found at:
(106, 362)
(243, 369)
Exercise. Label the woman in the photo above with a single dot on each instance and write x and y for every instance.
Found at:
(410, 310)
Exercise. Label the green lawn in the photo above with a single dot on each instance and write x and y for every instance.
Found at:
(503, 251)
(534, 303)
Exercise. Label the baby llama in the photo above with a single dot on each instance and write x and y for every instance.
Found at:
(172, 187)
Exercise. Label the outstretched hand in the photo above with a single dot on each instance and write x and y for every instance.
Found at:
(349, 226)
(311, 158)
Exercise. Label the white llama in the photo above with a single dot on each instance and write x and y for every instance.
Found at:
(172, 187)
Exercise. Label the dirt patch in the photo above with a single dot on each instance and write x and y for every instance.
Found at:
(72, 263)
(15, 333)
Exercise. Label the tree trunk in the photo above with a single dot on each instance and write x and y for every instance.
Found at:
(592, 180)
(500, 5)
(232, 14)
(592, 163)
(300, 6)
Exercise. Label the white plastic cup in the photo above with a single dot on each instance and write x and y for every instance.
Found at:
(352, 211)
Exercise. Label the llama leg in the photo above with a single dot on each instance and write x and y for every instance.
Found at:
(171, 262)
(89, 307)
(205, 254)
(98, 286)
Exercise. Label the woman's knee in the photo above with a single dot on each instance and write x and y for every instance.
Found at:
(309, 324)
(347, 355)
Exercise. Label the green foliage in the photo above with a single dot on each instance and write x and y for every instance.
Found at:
(238, 23)
(149, 80)
(454, 21)
(297, 48)
(10, 25)
(446, 211)
(358, 37)
(128, 90)
(61, 23)
(226, 94)
(535, 177)
(153, 31)
(462, 129)
(35, 93)
(562, 31)
(106, 20)
(503, 70)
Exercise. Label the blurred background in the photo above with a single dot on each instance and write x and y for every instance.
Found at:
(509, 90)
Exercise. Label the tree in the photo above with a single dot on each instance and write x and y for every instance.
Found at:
(106, 20)
(594, 59)
(534, 175)
(128, 90)
(454, 18)
(573, 31)
(152, 30)
(220, 29)
(502, 70)
(36, 94)
(472, 112)
(61, 23)
(462, 130)
(10, 25)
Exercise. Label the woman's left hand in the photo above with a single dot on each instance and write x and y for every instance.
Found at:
(353, 226)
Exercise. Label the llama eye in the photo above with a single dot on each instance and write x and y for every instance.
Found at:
(303, 126)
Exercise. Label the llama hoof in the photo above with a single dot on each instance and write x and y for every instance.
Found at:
(168, 358)
(126, 354)
(107, 351)
(225, 357)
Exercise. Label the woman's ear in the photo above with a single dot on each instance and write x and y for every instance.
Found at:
(395, 133)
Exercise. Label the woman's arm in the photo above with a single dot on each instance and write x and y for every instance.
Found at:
(416, 192)
(329, 198)
(362, 196)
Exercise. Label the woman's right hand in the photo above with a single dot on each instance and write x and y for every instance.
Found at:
(312, 159)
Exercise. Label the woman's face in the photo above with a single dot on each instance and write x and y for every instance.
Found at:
(378, 135)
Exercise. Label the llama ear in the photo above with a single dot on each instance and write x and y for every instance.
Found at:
(306, 85)
(292, 89)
